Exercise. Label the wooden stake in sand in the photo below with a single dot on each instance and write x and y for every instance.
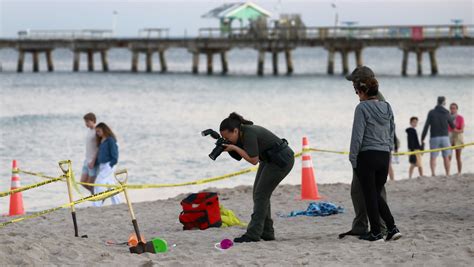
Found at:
(141, 246)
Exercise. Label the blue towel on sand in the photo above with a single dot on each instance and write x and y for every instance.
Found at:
(317, 209)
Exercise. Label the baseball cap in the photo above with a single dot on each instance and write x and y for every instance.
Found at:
(360, 73)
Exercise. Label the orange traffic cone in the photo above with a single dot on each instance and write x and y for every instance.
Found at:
(16, 200)
(309, 188)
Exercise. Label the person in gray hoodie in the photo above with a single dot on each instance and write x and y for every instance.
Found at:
(438, 121)
(372, 141)
(360, 223)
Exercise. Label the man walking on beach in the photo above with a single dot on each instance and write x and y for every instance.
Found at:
(360, 224)
(438, 119)
(89, 170)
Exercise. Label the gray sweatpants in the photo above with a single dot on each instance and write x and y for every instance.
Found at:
(360, 225)
(269, 175)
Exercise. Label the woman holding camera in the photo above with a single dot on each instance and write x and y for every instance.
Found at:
(256, 144)
(373, 134)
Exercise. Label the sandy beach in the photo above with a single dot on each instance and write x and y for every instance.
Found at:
(435, 214)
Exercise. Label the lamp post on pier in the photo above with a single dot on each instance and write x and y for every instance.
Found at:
(114, 21)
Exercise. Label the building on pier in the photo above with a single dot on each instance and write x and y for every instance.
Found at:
(246, 13)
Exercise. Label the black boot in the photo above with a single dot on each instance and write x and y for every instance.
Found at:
(268, 237)
(244, 239)
(350, 233)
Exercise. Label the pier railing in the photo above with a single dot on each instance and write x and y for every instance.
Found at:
(293, 33)
(65, 34)
(154, 33)
(396, 32)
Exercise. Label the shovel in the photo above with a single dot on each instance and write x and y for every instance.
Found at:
(141, 246)
(68, 174)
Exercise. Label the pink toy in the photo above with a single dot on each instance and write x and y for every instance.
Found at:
(226, 243)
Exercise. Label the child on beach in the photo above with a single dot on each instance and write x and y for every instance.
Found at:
(107, 158)
(414, 145)
(456, 135)
(89, 170)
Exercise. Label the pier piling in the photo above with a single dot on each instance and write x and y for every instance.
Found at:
(35, 61)
(434, 64)
(21, 61)
(345, 62)
(49, 60)
(289, 62)
(134, 61)
(164, 67)
(261, 62)
(90, 60)
(419, 62)
(195, 62)
(225, 65)
(149, 61)
(209, 63)
(76, 61)
(105, 62)
(275, 62)
(405, 62)
(331, 62)
(358, 57)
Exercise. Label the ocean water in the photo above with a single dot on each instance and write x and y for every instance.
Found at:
(158, 117)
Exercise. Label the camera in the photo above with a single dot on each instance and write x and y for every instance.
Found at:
(217, 151)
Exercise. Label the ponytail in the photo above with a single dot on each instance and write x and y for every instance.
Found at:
(370, 86)
(233, 121)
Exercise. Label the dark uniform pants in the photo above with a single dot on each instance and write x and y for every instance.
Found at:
(269, 175)
(360, 225)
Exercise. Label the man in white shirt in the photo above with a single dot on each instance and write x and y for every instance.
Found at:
(89, 169)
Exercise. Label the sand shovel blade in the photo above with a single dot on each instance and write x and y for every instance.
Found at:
(121, 176)
(61, 165)
(140, 248)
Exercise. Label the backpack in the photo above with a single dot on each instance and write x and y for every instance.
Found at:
(200, 211)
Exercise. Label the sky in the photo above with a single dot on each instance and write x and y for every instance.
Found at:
(183, 17)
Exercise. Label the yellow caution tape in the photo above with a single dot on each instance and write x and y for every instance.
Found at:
(41, 175)
(226, 176)
(395, 154)
(327, 151)
(37, 174)
(28, 187)
(432, 150)
(197, 182)
(96, 197)
(120, 188)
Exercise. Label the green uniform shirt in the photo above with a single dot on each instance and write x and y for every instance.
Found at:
(256, 140)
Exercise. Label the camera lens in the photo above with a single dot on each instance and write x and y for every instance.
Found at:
(216, 152)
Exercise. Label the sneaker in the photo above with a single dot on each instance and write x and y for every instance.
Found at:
(393, 234)
(244, 239)
(350, 233)
(372, 237)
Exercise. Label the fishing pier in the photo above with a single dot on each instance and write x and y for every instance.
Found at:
(212, 42)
